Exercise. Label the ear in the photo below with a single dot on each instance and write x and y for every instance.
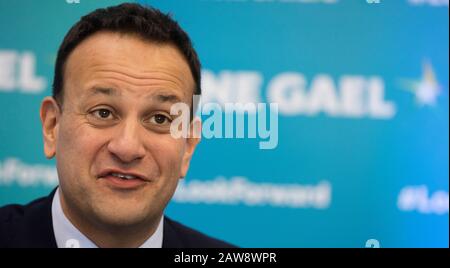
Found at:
(191, 143)
(49, 118)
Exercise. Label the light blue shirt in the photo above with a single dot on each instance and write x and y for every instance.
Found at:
(68, 236)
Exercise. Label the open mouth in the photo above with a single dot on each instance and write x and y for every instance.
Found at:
(122, 179)
(124, 176)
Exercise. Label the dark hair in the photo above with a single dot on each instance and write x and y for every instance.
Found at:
(147, 22)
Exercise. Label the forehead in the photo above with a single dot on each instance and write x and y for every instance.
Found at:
(130, 61)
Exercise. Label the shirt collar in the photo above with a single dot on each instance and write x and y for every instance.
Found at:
(68, 236)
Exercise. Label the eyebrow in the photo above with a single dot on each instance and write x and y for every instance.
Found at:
(158, 97)
(103, 91)
(165, 98)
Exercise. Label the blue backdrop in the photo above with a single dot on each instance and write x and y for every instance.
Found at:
(362, 92)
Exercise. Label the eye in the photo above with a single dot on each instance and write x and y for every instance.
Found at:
(102, 113)
(160, 119)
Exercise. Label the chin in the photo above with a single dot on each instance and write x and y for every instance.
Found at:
(123, 215)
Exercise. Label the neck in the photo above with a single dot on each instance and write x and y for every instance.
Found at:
(106, 236)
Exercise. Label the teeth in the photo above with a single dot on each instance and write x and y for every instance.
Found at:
(123, 176)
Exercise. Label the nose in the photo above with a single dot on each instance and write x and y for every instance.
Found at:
(126, 144)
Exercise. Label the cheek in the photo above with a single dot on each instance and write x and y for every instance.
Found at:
(76, 147)
(168, 153)
(75, 140)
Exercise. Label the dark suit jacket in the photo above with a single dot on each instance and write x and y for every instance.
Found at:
(31, 226)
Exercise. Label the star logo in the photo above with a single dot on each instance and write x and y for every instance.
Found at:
(427, 89)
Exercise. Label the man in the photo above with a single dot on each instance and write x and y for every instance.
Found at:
(118, 72)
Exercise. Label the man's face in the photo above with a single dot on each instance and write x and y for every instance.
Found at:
(115, 121)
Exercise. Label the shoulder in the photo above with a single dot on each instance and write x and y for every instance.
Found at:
(177, 235)
(14, 212)
(9, 215)
(21, 224)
